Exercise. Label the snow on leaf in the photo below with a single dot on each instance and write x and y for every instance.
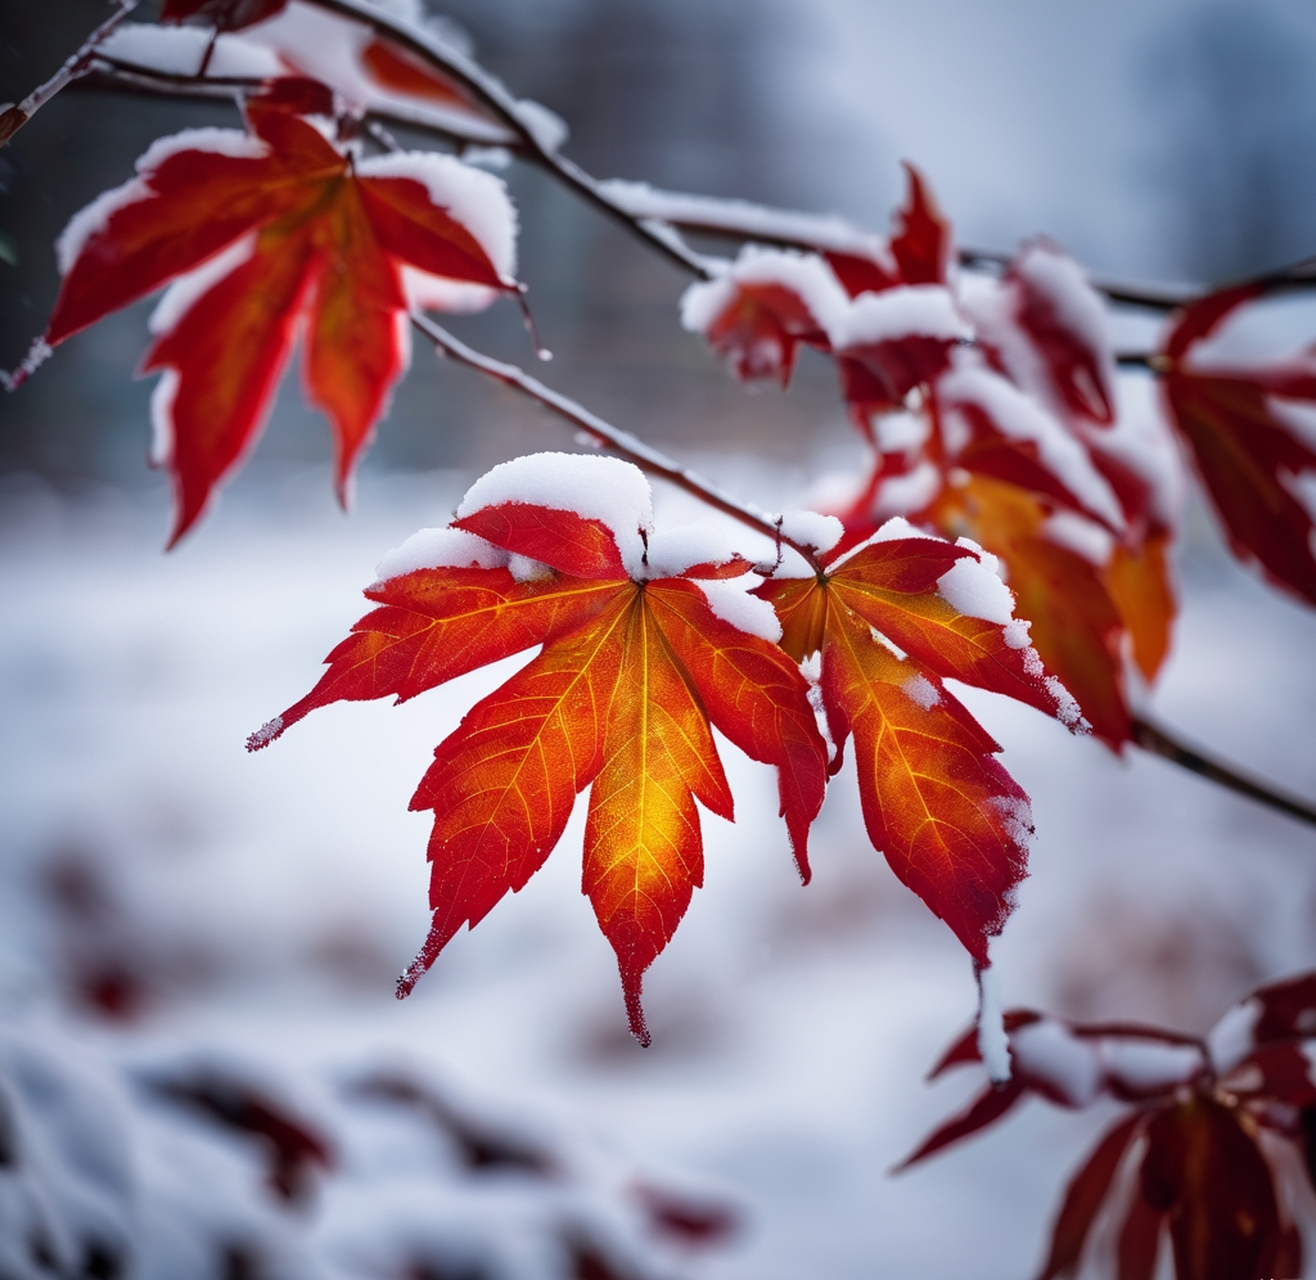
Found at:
(1188, 1159)
(951, 822)
(633, 675)
(767, 303)
(1248, 453)
(1076, 628)
(227, 15)
(328, 242)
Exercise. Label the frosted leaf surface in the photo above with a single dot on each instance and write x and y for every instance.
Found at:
(594, 488)
(920, 310)
(730, 600)
(1019, 417)
(704, 541)
(474, 197)
(806, 275)
(820, 532)
(971, 587)
(440, 549)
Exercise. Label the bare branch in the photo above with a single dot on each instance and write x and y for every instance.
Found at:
(1156, 740)
(14, 117)
(620, 442)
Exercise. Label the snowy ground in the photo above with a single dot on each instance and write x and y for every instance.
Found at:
(257, 908)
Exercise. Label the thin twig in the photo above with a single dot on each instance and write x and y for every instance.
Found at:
(1156, 740)
(494, 97)
(14, 117)
(620, 442)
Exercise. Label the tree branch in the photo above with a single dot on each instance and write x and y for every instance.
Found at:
(620, 442)
(15, 116)
(1156, 740)
(492, 95)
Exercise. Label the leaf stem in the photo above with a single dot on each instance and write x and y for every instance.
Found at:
(1157, 741)
(15, 116)
(620, 442)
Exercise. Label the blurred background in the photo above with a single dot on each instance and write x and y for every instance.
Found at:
(164, 895)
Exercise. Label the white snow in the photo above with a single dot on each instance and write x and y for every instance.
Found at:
(921, 310)
(1299, 416)
(178, 299)
(902, 432)
(1051, 1052)
(730, 600)
(425, 292)
(544, 125)
(178, 50)
(825, 231)
(474, 197)
(89, 221)
(708, 540)
(440, 549)
(163, 395)
(993, 1043)
(972, 587)
(524, 569)
(1146, 1066)
(1085, 538)
(806, 275)
(1231, 1040)
(1019, 416)
(595, 488)
(908, 492)
(921, 691)
(820, 532)
(1058, 278)
(222, 142)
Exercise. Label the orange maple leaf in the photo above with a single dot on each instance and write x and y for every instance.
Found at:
(639, 663)
(889, 619)
(267, 234)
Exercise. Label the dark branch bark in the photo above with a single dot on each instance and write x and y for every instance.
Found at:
(604, 433)
(1153, 738)
(15, 116)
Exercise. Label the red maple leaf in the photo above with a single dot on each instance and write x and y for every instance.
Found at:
(1187, 1162)
(639, 663)
(269, 234)
(1251, 450)
(889, 620)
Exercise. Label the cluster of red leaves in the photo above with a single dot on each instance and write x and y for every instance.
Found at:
(639, 663)
(269, 234)
(1194, 1157)
(991, 440)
